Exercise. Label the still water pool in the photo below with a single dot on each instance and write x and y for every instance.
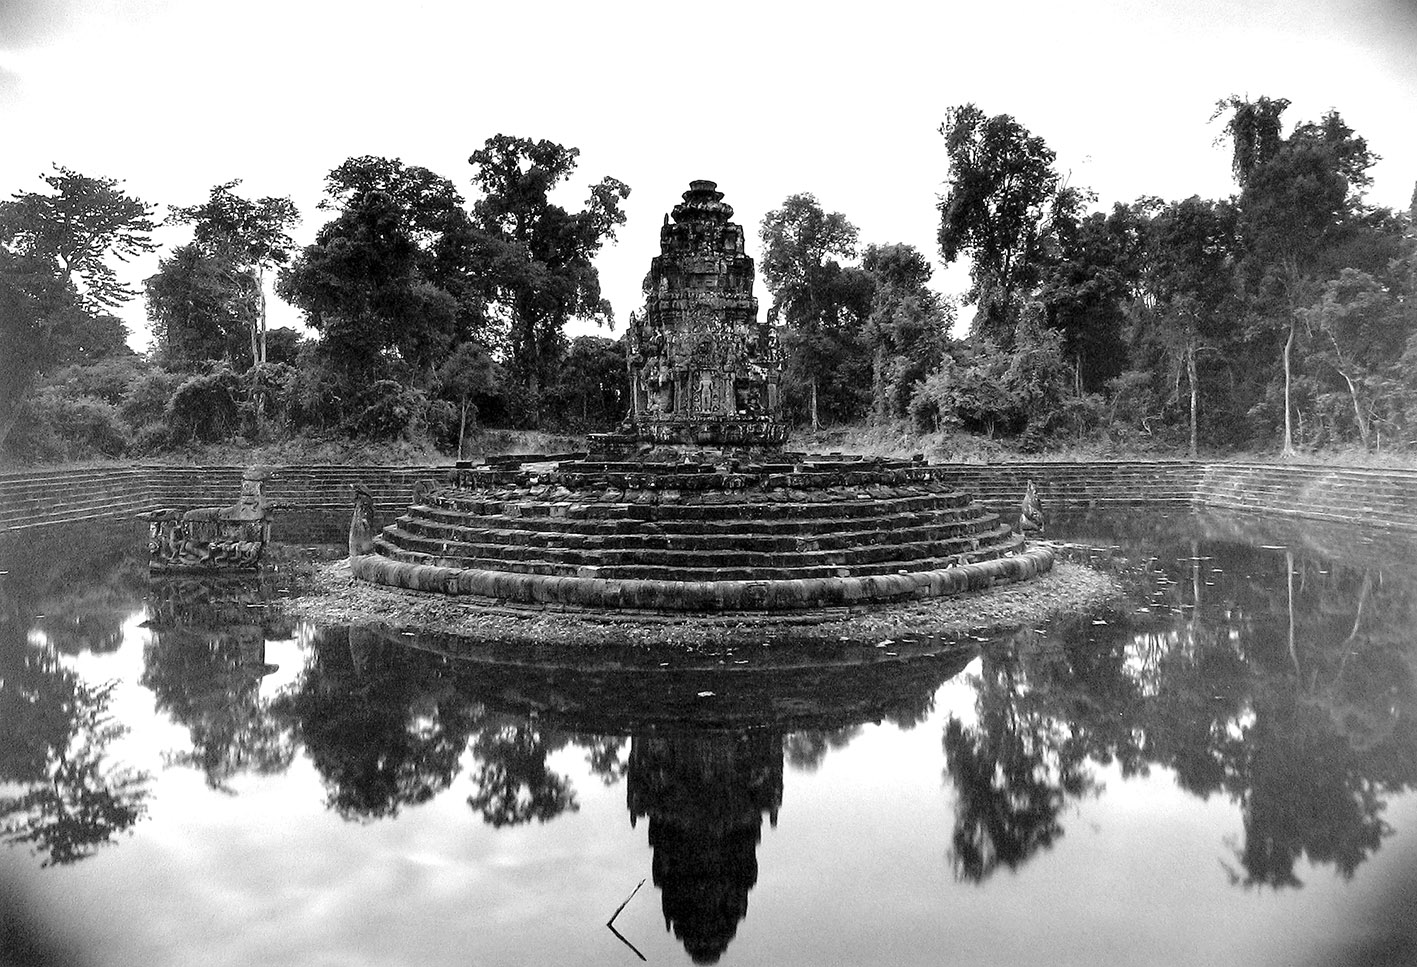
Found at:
(1219, 770)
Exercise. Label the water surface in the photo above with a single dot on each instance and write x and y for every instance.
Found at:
(1218, 771)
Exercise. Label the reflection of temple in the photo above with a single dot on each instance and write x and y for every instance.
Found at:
(705, 794)
(703, 370)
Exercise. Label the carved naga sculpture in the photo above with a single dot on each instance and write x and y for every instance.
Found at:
(214, 538)
(361, 524)
(1031, 511)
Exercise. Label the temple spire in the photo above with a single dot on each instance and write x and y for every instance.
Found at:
(704, 370)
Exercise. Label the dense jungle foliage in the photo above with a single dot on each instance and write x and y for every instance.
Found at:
(1278, 319)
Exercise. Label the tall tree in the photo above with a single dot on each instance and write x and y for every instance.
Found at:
(81, 228)
(540, 257)
(385, 281)
(1254, 129)
(1301, 201)
(199, 307)
(1190, 280)
(252, 236)
(1086, 291)
(57, 280)
(1360, 328)
(468, 373)
(908, 328)
(593, 390)
(1001, 208)
(821, 303)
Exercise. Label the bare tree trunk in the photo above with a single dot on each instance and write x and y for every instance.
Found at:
(1293, 649)
(1195, 392)
(8, 420)
(1364, 430)
(1288, 383)
(815, 424)
(258, 348)
(879, 389)
(462, 428)
(261, 290)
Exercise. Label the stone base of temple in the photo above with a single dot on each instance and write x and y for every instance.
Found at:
(750, 433)
(698, 531)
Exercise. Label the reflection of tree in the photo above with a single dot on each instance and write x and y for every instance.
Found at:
(1013, 773)
(603, 755)
(1287, 684)
(204, 666)
(1302, 794)
(56, 731)
(384, 725)
(513, 783)
(73, 585)
(806, 750)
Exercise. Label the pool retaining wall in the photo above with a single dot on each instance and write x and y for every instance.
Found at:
(1379, 498)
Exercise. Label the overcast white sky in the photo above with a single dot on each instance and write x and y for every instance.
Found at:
(768, 99)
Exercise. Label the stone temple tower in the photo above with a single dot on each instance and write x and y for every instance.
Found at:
(703, 370)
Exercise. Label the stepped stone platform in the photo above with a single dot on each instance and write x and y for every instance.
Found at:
(685, 533)
(692, 505)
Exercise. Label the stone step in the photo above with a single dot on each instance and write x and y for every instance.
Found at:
(733, 535)
(725, 523)
(660, 572)
(663, 511)
(495, 556)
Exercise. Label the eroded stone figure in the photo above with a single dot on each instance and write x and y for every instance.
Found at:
(1031, 511)
(361, 524)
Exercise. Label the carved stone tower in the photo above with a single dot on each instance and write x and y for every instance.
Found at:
(703, 370)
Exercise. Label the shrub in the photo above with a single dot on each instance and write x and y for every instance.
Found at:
(206, 407)
(109, 379)
(314, 397)
(147, 397)
(388, 410)
(54, 426)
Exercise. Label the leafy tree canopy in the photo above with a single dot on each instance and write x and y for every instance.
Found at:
(81, 226)
(540, 270)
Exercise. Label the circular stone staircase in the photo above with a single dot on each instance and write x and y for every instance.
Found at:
(698, 533)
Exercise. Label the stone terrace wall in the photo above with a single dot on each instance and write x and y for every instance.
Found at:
(312, 486)
(37, 497)
(53, 496)
(1099, 483)
(1376, 498)
(1384, 498)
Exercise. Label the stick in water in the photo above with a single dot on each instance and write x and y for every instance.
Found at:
(611, 922)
